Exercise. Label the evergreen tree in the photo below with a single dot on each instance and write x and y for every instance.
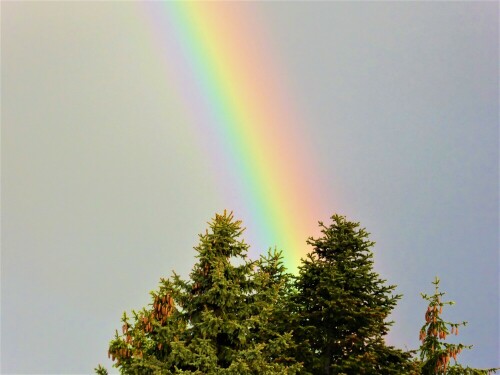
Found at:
(435, 353)
(220, 321)
(342, 305)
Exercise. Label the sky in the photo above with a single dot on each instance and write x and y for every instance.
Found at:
(127, 125)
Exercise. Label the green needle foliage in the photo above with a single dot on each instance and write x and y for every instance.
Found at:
(223, 320)
(435, 353)
(342, 306)
(234, 316)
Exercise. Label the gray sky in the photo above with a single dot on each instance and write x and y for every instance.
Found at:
(105, 186)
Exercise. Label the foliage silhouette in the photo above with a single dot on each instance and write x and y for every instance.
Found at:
(220, 321)
(435, 353)
(237, 316)
(342, 306)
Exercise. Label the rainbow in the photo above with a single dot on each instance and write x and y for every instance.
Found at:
(236, 99)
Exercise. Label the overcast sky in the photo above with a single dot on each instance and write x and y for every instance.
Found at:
(105, 185)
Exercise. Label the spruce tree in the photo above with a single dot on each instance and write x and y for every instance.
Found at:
(341, 306)
(437, 356)
(220, 321)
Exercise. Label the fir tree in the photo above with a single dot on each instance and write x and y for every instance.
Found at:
(342, 305)
(220, 321)
(436, 354)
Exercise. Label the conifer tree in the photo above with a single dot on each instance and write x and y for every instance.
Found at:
(436, 354)
(220, 321)
(342, 305)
